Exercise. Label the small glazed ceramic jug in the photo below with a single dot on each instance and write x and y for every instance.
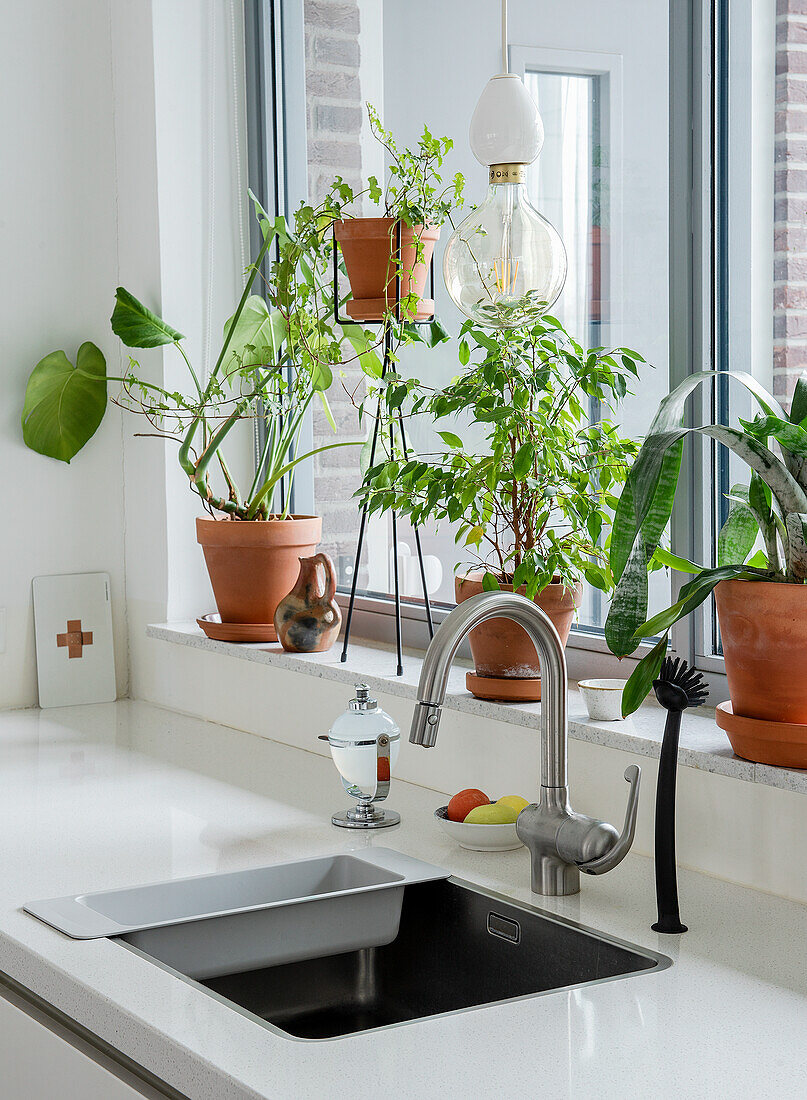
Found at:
(308, 619)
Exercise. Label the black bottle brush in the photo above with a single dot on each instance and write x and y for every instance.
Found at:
(677, 687)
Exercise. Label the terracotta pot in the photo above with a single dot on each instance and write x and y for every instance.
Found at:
(763, 626)
(783, 744)
(254, 564)
(307, 620)
(368, 248)
(501, 648)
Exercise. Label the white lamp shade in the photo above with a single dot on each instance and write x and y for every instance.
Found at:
(506, 127)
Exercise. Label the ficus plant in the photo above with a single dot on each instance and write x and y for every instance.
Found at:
(763, 538)
(531, 502)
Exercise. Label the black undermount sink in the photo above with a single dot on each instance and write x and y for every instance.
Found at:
(457, 947)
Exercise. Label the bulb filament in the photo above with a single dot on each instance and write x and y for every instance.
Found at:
(506, 272)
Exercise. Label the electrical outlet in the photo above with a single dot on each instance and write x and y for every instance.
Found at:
(2, 630)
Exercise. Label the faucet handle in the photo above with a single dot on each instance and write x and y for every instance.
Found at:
(622, 844)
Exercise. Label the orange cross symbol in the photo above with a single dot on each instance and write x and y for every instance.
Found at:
(75, 639)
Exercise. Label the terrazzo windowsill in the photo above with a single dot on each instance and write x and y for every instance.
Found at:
(703, 745)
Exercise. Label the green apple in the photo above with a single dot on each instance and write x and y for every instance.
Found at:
(492, 814)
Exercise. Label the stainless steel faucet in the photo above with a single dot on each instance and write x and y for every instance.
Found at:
(561, 842)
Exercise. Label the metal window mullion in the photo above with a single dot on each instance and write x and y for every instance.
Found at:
(710, 105)
(690, 263)
(277, 144)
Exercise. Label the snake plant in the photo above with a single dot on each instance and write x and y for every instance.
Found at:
(770, 510)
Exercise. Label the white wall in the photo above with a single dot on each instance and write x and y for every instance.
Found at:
(58, 240)
(184, 153)
(119, 167)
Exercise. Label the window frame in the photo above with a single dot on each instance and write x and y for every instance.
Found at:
(705, 242)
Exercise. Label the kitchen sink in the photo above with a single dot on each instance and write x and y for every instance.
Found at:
(457, 947)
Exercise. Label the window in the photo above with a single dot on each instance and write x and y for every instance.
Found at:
(748, 246)
(657, 169)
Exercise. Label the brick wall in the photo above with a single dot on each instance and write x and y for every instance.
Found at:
(790, 232)
(334, 115)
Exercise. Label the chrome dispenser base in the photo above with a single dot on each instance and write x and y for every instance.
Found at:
(365, 816)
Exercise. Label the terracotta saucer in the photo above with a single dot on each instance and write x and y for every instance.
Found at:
(373, 309)
(783, 744)
(236, 632)
(504, 690)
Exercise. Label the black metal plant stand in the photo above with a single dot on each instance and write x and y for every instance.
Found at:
(397, 422)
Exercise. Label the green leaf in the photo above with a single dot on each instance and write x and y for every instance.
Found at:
(737, 535)
(436, 333)
(672, 561)
(650, 488)
(595, 577)
(450, 439)
(758, 497)
(522, 460)
(321, 376)
(792, 437)
(64, 404)
(797, 545)
(464, 353)
(326, 408)
(798, 406)
(490, 583)
(262, 217)
(648, 507)
(137, 326)
(691, 596)
(368, 359)
(629, 603)
(258, 334)
(641, 679)
(771, 469)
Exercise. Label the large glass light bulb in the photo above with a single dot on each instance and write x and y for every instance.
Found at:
(505, 264)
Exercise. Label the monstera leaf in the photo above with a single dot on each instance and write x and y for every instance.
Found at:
(64, 404)
(137, 326)
(258, 334)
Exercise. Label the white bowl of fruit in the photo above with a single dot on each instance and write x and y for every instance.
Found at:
(477, 823)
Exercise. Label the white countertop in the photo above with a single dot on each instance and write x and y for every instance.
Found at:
(125, 793)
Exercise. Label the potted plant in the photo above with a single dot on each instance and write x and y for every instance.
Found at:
(276, 358)
(761, 595)
(279, 353)
(416, 203)
(531, 493)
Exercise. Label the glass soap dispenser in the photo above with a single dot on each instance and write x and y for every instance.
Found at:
(364, 743)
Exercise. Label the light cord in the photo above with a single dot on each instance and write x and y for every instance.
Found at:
(505, 62)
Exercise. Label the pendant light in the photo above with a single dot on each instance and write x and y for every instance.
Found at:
(505, 265)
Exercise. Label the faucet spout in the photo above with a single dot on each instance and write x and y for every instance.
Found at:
(554, 677)
(561, 842)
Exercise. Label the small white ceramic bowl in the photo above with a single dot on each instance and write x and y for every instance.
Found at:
(479, 838)
(603, 699)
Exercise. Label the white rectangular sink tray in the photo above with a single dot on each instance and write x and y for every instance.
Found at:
(281, 913)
